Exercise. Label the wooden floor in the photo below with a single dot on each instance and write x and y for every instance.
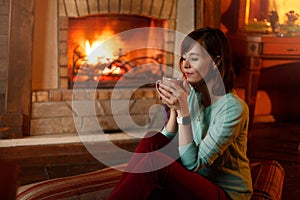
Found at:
(281, 142)
(269, 141)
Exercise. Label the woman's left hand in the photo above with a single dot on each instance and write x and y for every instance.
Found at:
(174, 95)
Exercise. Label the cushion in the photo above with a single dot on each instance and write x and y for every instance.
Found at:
(86, 186)
(267, 180)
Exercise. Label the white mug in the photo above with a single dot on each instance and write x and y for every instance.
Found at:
(178, 81)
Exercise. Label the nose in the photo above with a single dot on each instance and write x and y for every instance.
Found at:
(186, 64)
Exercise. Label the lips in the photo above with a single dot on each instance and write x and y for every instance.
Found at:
(188, 74)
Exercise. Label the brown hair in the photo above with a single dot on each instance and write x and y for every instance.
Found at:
(217, 45)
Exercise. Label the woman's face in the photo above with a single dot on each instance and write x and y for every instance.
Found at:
(196, 64)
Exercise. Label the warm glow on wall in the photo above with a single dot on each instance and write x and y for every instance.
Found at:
(284, 6)
(247, 12)
(260, 9)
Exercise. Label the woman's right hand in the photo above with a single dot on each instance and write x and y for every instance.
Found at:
(174, 95)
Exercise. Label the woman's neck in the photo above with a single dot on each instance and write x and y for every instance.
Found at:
(207, 95)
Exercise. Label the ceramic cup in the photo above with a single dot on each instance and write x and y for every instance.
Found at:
(178, 81)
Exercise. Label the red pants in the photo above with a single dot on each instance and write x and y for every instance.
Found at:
(163, 177)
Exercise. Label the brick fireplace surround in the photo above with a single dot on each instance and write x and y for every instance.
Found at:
(31, 108)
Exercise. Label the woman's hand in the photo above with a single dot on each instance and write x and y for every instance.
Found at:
(175, 96)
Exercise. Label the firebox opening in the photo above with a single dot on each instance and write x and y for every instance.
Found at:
(96, 54)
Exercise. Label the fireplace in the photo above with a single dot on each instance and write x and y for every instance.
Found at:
(78, 82)
(105, 49)
(43, 106)
(135, 38)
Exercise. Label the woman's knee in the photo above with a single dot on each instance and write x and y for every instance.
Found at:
(154, 161)
(155, 137)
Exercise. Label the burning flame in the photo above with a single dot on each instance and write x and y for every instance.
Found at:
(100, 56)
(89, 50)
(113, 70)
(102, 50)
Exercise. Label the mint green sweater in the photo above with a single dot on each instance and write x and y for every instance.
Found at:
(218, 151)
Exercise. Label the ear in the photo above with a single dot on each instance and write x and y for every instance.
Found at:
(218, 60)
(214, 65)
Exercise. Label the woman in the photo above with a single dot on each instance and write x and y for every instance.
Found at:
(210, 123)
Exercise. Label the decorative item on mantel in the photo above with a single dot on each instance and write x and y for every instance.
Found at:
(292, 17)
(290, 28)
(272, 26)
(259, 26)
(273, 17)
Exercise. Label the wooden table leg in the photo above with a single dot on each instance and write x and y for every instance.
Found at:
(252, 86)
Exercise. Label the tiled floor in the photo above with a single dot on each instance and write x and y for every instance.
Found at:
(281, 142)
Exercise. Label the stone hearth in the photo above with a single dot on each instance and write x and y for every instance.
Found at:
(53, 111)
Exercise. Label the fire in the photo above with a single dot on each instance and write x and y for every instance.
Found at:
(113, 70)
(103, 49)
(89, 49)
(100, 56)
(97, 53)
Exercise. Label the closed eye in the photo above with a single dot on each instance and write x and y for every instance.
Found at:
(194, 58)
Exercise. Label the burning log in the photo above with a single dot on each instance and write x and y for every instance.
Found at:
(111, 70)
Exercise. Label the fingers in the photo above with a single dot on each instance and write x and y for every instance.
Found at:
(172, 104)
(174, 95)
(168, 97)
(165, 90)
(177, 89)
(172, 101)
(170, 89)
